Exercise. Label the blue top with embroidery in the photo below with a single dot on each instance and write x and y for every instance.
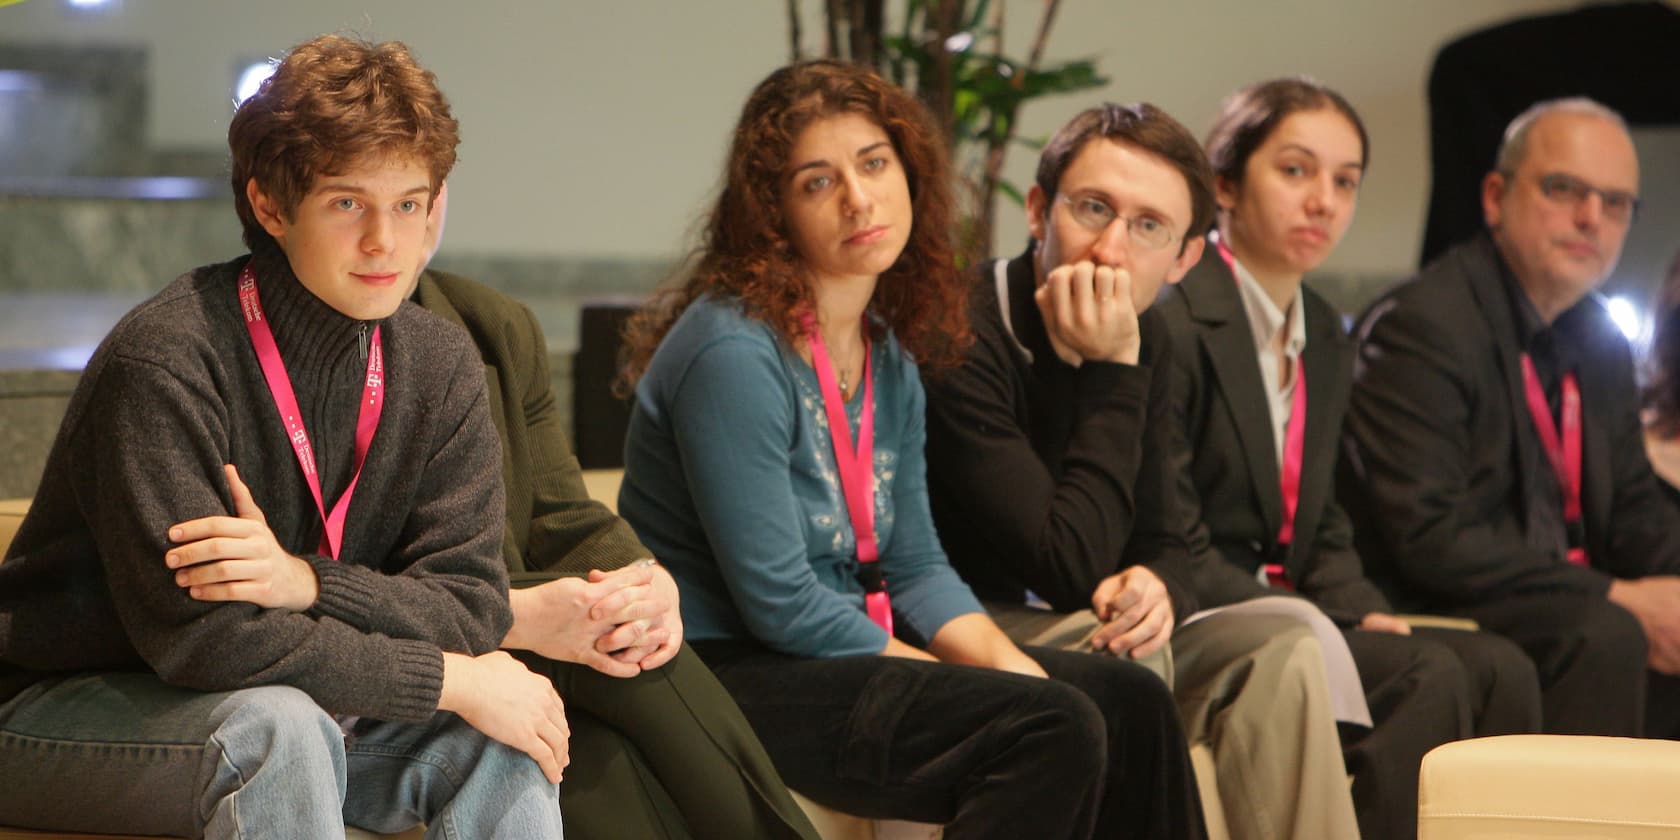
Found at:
(730, 479)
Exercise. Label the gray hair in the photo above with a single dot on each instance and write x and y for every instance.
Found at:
(1515, 145)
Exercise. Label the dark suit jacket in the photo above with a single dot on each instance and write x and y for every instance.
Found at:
(1440, 446)
(1228, 467)
(553, 527)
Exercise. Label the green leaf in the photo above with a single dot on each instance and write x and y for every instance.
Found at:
(1010, 190)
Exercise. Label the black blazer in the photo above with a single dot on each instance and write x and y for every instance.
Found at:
(1228, 475)
(1439, 446)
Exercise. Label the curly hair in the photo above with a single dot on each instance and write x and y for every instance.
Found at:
(1662, 389)
(333, 103)
(746, 252)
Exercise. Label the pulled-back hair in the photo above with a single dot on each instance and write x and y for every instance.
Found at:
(1148, 128)
(333, 103)
(1250, 115)
(747, 253)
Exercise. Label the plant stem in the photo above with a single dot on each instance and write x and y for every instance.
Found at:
(795, 53)
(997, 145)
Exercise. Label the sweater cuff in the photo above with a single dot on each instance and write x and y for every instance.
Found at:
(419, 685)
(344, 594)
(931, 615)
(1112, 383)
(1179, 591)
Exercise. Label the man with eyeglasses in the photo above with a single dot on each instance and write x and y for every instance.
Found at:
(1493, 461)
(1051, 486)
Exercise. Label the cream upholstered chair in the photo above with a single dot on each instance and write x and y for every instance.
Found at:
(11, 514)
(1536, 787)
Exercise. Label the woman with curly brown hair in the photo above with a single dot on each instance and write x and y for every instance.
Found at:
(824, 278)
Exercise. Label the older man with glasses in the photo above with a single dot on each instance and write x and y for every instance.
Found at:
(1493, 460)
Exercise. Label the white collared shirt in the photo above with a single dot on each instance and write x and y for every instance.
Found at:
(1266, 321)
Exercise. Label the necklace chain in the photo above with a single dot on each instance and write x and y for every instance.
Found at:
(841, 370)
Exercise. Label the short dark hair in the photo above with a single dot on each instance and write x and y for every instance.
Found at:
(333, 103)
(1250, 115)
(1142, 125)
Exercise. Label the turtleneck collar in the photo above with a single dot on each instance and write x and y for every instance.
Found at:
(309, 332)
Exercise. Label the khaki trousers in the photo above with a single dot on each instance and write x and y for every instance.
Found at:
(1254, 699)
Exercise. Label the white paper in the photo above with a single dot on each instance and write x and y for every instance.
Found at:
(1347, 693)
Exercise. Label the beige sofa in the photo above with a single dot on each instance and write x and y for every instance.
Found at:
(1536, 787)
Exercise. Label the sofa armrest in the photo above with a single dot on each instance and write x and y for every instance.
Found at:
(11, 516)
(603, 486)
(1550, 786)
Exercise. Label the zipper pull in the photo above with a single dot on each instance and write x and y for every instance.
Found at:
(362, 338)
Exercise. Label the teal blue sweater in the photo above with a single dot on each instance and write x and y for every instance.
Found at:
(730, 479)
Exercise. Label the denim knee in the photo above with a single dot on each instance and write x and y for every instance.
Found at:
(502, 793)
(273, 755)
(259, 726)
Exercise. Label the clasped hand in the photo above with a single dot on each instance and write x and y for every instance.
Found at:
(1136, 612)
(620, 623)
(236, 558)
(1088, 310)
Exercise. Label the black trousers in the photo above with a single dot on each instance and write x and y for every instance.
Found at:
(1425, 690)
(1590, 657)
(1097, 751)
(666, 755)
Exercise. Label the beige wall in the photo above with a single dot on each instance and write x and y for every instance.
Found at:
(597, 128)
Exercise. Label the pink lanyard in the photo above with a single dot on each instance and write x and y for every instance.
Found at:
(280, 386)
(1294, 444)
(1564, 455)
(857, 473)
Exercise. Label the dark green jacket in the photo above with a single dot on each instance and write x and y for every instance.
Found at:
(553, 527)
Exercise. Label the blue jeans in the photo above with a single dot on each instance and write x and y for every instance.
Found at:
(123, 752)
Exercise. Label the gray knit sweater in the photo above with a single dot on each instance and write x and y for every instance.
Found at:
(175, 392)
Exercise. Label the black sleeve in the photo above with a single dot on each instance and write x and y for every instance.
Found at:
(1160, 537)
(1214, 582)
(1062, 534)
(569, 533)
(1335, 579)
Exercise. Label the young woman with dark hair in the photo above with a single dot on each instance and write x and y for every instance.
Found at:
(1262, 370)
